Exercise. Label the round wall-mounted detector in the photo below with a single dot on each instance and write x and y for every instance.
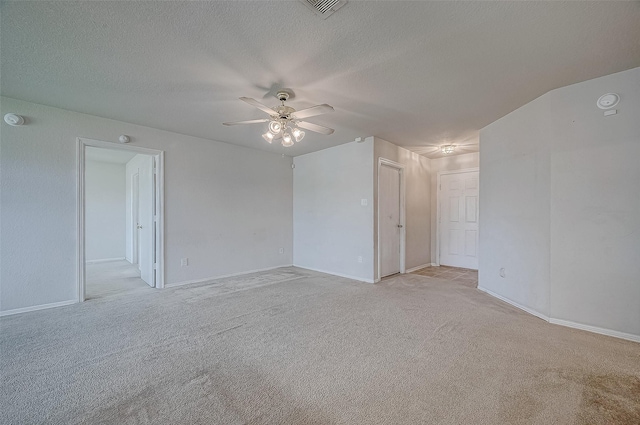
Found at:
(13, 119)
(608, 101)
(124, 139)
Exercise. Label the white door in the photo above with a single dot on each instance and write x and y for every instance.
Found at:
(135, 218)
(390, 221)
(458, 199)
(146, 222)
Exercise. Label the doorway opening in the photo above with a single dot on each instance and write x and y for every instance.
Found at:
(457, 218)
(120, 219)
(391, 218)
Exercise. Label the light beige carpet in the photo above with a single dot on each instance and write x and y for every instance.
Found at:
(298, 347)
(113, 277)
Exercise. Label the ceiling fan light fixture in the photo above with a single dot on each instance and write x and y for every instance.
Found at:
(275, 127)
(447, 149)
(298, 134)
(284, 121)
(286, 140)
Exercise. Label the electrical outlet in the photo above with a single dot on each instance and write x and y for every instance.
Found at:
(281, 250)
(184, 262)
(360, 259)
(364, 202)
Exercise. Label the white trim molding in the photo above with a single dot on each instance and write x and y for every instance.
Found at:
(413, 269)
(82, 144)
(209, 279)
(515, 304)
(595, 329)
(346, 276)
(105, 260)
(403, 221)
(36, 307)
(566, 323)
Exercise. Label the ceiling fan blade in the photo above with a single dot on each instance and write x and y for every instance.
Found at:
(246, 122)
(315, 127)
(258, 105)
(314, 110)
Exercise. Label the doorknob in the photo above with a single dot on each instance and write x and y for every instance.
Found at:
(139, 227)
(400, 225)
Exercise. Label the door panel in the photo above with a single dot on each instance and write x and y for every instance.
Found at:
(390, 232)
(147, 226)
(135, 218)
(454, 208)
(459, 220)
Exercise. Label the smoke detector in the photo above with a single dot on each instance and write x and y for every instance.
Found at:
(324, 8)
(14, 119)
(608, 101)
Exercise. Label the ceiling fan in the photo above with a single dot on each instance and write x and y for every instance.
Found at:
(285, 122)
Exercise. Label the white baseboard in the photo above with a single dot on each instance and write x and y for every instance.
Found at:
(336, 274)
(515, 304)
(36, 307)
(567, 323)
(208, 279)
(435, 265)
(413, 269)
(105, 260)
(595, 329)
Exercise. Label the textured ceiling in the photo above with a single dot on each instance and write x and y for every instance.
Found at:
(414, 73)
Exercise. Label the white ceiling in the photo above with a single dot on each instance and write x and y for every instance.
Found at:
(414, 73)
(108, 155)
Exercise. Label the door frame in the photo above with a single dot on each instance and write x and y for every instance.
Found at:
(81, 144)
(439, 202)
(403, 230)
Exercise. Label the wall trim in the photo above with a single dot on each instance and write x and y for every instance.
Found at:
(413, 269)
(359, 279)
(566, 323)
(515, 304)
(595, 329)
(105, 260)
(208, 279)
(435, 265)
(36, 307)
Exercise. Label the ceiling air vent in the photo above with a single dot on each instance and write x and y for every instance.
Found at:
(324, 8)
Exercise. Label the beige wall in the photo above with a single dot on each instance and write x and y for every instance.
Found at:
(331, 227)
(105, 210)
(417, 198)
(559, 206)
(228, 208)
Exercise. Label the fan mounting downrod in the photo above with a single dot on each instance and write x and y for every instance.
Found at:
(282, 96)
